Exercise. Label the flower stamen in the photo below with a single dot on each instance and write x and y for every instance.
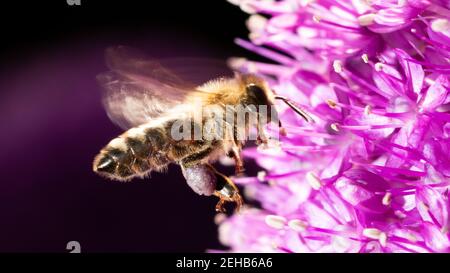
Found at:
(367, 110)
(275, 221)
(261, 176)
(316, 19)
(335, 127)
(313, 180)
(387, 198)
(376, 234)
(366, 19)
(297, 225)
(331, 103)
(337, 66)
(365, 58)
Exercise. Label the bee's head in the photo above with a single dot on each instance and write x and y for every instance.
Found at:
(258, 93)
(257, 90)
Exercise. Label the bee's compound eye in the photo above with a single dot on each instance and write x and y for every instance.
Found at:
(105, 164)
(256, 92)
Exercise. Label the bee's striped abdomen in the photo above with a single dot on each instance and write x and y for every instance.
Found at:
(134, 153)
(142, 149)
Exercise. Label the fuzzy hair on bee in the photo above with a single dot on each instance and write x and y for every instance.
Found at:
(149, 101)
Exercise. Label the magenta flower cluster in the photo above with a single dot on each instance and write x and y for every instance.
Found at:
(372, 172)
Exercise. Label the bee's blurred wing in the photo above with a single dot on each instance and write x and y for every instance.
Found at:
(138, 89)
(198, 70)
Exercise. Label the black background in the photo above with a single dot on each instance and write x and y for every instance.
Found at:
(52, 125)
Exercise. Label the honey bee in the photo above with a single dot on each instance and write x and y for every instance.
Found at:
(148, 100)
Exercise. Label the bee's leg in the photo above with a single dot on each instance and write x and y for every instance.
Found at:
(220, 205)
(261, 138)
(227, 191)
(196, 158)
(204, 179)
(235, 153)
(201, 176)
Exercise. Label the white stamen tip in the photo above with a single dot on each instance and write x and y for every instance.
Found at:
(366, 19)
(335, 127)
(399, 214)
(298, 225)
(275, 221)
(254, 36)
(376, 234)
(411, 237)
(367, 110)
(383, 239)
(316, 19)
(331, 103)
(261, 175)
(365, 58)
(440, 25)
(256, 22)
(313, 180)
(372, 233)
(387, 198)
(378, 67)
(337, 66)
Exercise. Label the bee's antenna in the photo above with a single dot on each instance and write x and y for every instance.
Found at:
(296, 109)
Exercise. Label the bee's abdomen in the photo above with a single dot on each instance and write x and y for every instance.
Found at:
(134, 153)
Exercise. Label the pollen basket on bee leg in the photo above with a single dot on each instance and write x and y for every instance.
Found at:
(201, 179)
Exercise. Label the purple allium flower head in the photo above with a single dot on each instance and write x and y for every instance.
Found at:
(372, 173)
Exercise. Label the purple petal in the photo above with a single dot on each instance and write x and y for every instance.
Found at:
(436, 94)
(413, 71)
(432, 206)
(434, 237)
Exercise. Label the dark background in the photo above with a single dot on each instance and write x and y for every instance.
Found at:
(52, 125)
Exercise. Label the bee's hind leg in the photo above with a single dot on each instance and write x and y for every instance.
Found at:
(200, 177)
(204, 179)
(227, 191)
(261, 135)
(235, 153)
